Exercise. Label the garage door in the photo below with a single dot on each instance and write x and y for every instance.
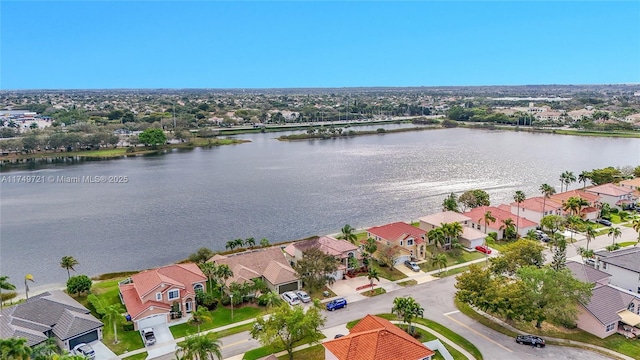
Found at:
(401, 259)
(152, 320)
(288, 287)
(86, 338)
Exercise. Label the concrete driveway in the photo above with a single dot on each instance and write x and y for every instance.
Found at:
(102, 351)
(164, 342)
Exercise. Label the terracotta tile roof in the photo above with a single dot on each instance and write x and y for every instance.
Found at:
(445, 217)
(134, 304)
(398, 230)
(535, 204)
(179, 275)
(477, 216)
(374, 338)
(631, 183)
(327, 244)
(609, 189)
(564, 196)
(255, 263)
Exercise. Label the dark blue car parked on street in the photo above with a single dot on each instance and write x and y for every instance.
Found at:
(336, 304)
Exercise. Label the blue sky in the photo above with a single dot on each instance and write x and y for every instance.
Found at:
(215, 44)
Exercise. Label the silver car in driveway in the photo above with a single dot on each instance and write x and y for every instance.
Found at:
(148, 336)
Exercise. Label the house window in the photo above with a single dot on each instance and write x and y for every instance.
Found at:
(610, 327)
(631, 307)
(197, 287)
(410, 242)
(187, 306)
(401, 243)
(639, 293)
(159, 296)
(604, 265)
(174, 294)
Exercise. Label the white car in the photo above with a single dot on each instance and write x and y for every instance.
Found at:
(85, 350)
(148, 336)
(291, 298)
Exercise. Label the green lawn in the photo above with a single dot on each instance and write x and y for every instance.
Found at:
(270, 349)
(315, 352)
(220, 317)
(387, 272)
(614, 342)
(628, 243)
(141, 356)
(455, 271)
(408, 283)
(374, 292)
(453, 260)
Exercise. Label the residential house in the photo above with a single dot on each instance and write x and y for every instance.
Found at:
(589, 212)
(532, 208)
(610, 309)
(159, 295)
(340, 249)
(614, 195)
(623, 265)
(52, 314)
(269, 264)
(374, 338)
(633, 184)
(470, 237)
(409, 238)
(501, 215)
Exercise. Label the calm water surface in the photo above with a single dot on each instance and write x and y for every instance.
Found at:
(178, 202)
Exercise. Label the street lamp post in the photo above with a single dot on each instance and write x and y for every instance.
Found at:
(231, 296)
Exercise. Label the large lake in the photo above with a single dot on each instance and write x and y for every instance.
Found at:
(175, 203)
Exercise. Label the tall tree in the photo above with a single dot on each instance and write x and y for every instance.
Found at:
(559, 252)
(546, 190)
(199, 317)
(42, 351)
(437, 236)
(239, 242)
(79, 284)
(562, 179)
(518, 197)
(68, 262)
(407, 309)
(450, 203)
(636, 226)
(200, 347)
(583, 178)
(288, 325)
(250, 242)
(614, 232)
(348, 233)
(568, 179)
(488, 219)
(264, 242)
(474, 198)
(370, 246)
(209, 269)
(452, 231)
(589, 234)
(516, 255)
(508, 228)
(440, 261)
(316, 268)
(14, 349)
(5, 285)
(371, 275)
(231, 244)
(223, 273)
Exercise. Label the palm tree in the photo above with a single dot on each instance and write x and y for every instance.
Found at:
(68, 262)
(569, 178)
(546, 190)
(231, 244)
(271, 299)
(209, 269)
(250, 242)
(199, 317)
(371, 246)
(407, 309)
(508, 228)
(440, 261)
(518, 197)
(488, 218)
(582, 178)
(590, 234)
(348, 234)
(452, 231)
(15, 349)
(562, 179)
(264, 242)
(5, 285)
(372, 274)
(223, 273)
(113, 315)
(574, 205)
(437, 236)
(43, 351)
(201, 347)
(239, 243)
(636, 226)
(615, 232)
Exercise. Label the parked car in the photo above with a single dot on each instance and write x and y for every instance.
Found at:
(531, 340)
(483, 249)
(303, 296)
(604, 222)
(412, 265)
(336, 304)
(545, 238)
(338, 336)
(85, 350)
(148, 336)
(590, 261)
(291, 298)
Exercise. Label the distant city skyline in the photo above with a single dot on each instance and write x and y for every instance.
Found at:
(303, 44)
